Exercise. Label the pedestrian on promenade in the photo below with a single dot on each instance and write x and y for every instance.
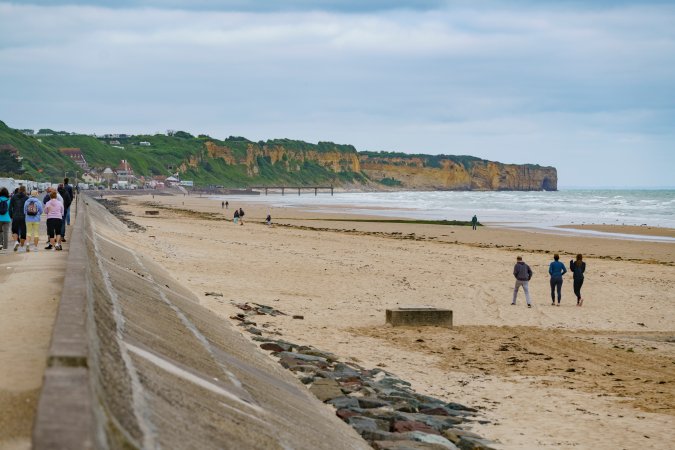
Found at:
(474, 222)
(33, 210)
(54, 211)
(69, 190)
(556, 269)
(67, 200)
(18, 217)
(46, 199)
(578, 268)
(5, 220)
(236, 216)
(241, 216)
(523, 275)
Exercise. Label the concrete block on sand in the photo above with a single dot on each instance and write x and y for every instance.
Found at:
(419, 316)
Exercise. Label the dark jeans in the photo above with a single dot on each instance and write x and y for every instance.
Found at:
(556, 284)
(64, 219)
(578, 282)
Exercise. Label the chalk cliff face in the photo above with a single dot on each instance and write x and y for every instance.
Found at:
(335, 160)
(457, 173)
(375, 170)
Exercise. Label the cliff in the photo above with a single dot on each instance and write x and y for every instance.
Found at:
(444, 172)
(239, 162)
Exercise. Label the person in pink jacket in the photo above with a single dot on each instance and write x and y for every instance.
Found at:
(54, 211)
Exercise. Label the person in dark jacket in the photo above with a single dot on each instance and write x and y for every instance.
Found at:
(556, 269)
(578, 268)
(18, 217)
(69, 190)
(67, 200)
(523, 274)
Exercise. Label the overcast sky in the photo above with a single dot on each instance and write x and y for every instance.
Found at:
(589, 90)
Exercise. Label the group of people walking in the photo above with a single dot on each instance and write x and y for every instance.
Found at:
(523, 274)
(21, 214)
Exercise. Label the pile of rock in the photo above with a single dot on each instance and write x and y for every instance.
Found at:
(113, 206)
(380, 406)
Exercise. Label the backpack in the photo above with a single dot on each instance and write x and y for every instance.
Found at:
(4, 207)
(32, 209)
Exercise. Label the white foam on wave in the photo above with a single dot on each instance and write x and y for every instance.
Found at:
(533, 209)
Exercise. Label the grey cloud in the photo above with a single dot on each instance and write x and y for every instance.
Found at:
(501, 84)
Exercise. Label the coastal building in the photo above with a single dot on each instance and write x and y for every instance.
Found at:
(91, 178)
(170, 181)
(76, 155)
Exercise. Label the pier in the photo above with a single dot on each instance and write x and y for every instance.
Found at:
(299, 188)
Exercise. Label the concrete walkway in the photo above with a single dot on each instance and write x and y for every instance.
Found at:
(30, 289)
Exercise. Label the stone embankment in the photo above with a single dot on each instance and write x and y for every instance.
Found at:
(136, 362)
(382, 408)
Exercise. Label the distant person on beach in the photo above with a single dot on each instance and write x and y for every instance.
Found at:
(578, 268)
(556, 269)
(18, 217)
(222, 205)
(33, 210)
(474, 221)
(227, 204)
(236, 216)
(54, 210)
(241, 216)
(523, 274)
(5, 220)
(268, 219)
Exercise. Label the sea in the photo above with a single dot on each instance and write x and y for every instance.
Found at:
(511, 209)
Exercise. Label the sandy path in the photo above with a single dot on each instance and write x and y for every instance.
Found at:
(342, 282)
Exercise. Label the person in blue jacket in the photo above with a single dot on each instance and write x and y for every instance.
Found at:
(556, 269)
(5, 220)
(32, 209)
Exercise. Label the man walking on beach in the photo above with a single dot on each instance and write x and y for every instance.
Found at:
(474, 221)
(523, 274)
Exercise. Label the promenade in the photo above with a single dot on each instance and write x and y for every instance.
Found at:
(30, 289)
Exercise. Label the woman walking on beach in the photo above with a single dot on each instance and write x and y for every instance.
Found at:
(556, 269)
(578, 268)
(54, 210)
(33, 210)
(236, 216)
(5, 220)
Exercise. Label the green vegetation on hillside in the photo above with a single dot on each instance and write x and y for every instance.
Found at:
(181, 152)
(429, 160)
(40, 161)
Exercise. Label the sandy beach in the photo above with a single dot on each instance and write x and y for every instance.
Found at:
(600, 376)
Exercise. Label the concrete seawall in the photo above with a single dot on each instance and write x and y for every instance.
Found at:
(136, 362)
